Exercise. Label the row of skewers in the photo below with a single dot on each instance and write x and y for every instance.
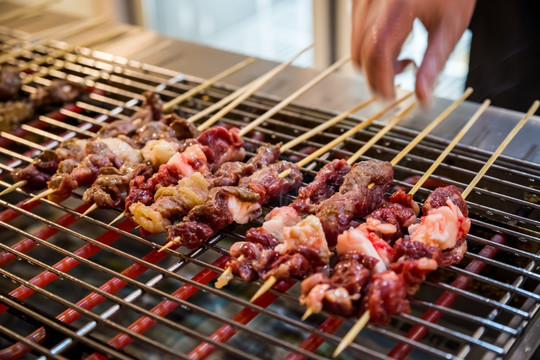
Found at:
(201, 178)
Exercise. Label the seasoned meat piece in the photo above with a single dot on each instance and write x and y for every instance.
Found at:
(13, 113)
(454, 255)
(112, 185)
(341, 293)
(57, 93)
(440, 196)
(244, 267)
(267, 183)
(407, 249)
(387, 296)
(159, 152)
(72, 149)
(397, 212)
(10, 83)
(39, 172)
(151, 108)
(230, 173)
(170, 128)
(170, 203)
(239, 204)
(355, 198)
(327, 181)
(85, 172)
(221, 145)
(414, 272)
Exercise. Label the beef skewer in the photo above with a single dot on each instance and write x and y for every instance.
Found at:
(419, 231)
(241, 94)
(336, 224)
(287, 170)
(226, 276)
(398, 211)
(152, 107)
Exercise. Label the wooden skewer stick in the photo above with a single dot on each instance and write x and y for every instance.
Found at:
(17, 13)
(501, 148)
(90, 209)
(166, 246)
(226, 275)
(272, 280)
(450, 146)
(41, 195)
(122, 214)
(264, 288)
(317, 79)
(348, 134)
(260, 82)
(351, 335)
(308, 313)
(13, 187)
(197, 89)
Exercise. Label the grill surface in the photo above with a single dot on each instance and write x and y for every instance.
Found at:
(82, 287)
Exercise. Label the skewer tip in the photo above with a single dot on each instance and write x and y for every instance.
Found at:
(122, 214)
(264, 288)
(15, 186)
(307, 314)
(40, 196)
(352, 334)
(89, 210)
(166, 246)
(224, 279)
(285, 173)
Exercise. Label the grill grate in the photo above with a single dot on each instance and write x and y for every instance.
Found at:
(87, 283)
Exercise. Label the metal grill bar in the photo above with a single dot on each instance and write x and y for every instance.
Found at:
(272, 128)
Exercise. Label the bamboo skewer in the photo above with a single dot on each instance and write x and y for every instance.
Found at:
(348, 133)
(267, 115)
(415, 142)
(251, 89)
(179, 99)
(272, 280)
(226, 276)
(197, 89)
(355, 330)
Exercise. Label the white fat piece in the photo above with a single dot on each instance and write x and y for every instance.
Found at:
(278, 219)
(242, 211)
(159, 151)
(123, 150)
(355, 240)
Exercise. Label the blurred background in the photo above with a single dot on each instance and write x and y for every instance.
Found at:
(268, 29)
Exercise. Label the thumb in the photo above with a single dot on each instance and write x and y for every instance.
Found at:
(438, 50)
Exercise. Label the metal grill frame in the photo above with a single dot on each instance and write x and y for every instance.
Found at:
(112, 69)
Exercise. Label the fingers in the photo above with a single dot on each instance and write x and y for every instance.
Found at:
(379, 31)
(440, 46)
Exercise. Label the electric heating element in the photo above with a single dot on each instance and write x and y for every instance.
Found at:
(74, 286)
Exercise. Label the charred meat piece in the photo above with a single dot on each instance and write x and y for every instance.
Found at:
(112, 184)
(13, 113)
(71, 174)
(393, 216)
(10, 83)
(342, 292)
(355, 198)
(327, 181)
(234, 204)
(40, 171)
(57, 93)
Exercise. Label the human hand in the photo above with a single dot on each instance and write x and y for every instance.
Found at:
(380, 27)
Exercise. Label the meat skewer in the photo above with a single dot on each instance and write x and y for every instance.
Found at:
(419, 231)
(333, 228)
(226, 275)
(283, 174)
(152, 107)
(249, 89)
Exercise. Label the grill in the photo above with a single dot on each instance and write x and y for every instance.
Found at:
(74, 286)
